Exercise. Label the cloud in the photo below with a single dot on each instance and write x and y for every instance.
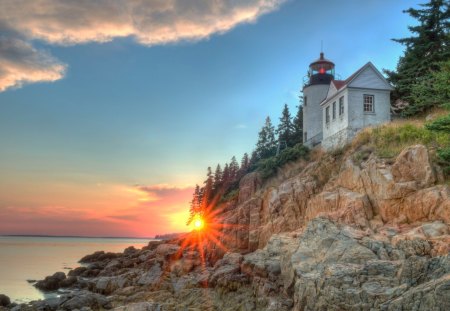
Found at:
(21, 63)
(171, 197)
(156, 22)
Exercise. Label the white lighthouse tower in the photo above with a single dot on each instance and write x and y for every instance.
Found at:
(320, 75)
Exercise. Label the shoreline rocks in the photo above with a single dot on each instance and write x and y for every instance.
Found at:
(333, 236)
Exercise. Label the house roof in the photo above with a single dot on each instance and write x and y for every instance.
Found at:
(338, 84)
(341, 84)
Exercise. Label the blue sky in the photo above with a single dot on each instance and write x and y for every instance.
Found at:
(128, 112)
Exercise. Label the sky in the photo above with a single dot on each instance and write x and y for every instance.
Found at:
(111, 111)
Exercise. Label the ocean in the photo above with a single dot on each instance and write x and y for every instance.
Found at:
(33, 258)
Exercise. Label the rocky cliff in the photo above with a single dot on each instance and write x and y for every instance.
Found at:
(338, 233)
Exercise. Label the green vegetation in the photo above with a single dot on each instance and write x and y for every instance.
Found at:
(223, 185)
(423, 69)
(421, 81)
(387, 141)
(441, 126)
(268, 167)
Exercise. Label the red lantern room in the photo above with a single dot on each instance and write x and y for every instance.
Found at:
(321, 71)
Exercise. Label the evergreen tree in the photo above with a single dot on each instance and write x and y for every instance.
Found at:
(425, 49)
(285, 127)
(245, 162)
(234, 167)
(217, 178)
(194, 207)
(225, 177)
(253, 158)
(297, 134)
(266, 145)
(208, 188)
(245, 165)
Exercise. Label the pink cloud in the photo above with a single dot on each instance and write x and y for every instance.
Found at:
(74, 22)
(164, 212)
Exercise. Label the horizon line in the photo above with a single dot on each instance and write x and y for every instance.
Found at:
(73, 236)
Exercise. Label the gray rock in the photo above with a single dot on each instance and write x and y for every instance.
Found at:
(151, 277)
(4, 300)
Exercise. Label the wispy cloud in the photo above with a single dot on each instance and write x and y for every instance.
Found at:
(164, 195)
(115, 210)
(240, 126)
(74, 22)
(21, 63)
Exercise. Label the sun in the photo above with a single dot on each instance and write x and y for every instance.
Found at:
(199, 223)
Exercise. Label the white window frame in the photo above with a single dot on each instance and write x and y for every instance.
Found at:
(334, 110)
(368, 102)
(327, 114)
(341, 106)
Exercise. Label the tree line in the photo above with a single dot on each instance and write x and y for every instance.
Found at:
(224, 182)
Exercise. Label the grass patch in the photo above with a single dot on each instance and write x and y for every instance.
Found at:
(388, 140)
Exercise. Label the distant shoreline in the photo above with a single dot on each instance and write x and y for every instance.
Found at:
(74, 236)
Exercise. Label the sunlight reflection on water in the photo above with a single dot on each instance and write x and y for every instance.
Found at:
(33, 258)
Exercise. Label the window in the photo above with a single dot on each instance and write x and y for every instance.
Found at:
(369, 103)
(327, 114)
(305, 100)
(306, 136)
(334, 110)
(341, 106)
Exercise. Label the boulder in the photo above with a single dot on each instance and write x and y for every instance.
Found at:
(152, 277)
(98, 256)
(83, 299)
(52, 282)
(4, 300)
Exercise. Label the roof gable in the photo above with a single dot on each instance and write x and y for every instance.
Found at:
(331, 90)
(368, 77)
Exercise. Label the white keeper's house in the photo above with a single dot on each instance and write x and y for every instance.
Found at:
(335, 110)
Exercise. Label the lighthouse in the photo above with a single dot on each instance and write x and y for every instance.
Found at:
(315, 89)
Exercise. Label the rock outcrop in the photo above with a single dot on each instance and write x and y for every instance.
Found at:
(333, 234)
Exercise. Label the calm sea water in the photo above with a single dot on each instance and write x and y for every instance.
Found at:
(33, 258)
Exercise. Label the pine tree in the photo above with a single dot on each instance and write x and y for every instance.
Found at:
(245, 162)
(266, 145)
(297, 134)
(425, 49)
(225, 177)
(217, 178)
(285, 127)
(234, 167)
(245, 165)
(208, 188)
(194, 207)
(254, 158)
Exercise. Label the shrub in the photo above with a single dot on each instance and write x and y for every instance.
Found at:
(268, 167)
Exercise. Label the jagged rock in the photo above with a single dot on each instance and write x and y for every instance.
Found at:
(4, 300)
(52, 282)
(67, 282)
(151, 277)
(80, 299)
(413, 164)
(98, 256)
(248, 185)
(77, 271)
(167, 252)
(341, 205)
(140, 306)
(339, 233)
